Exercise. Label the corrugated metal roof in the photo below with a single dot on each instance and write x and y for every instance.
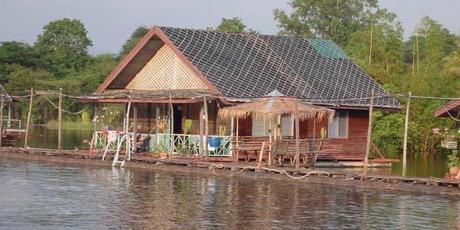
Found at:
(248, 65)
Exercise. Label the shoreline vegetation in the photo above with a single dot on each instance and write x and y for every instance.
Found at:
(330, 177)
(68, 125)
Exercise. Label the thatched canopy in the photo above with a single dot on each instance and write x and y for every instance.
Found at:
(273, 105)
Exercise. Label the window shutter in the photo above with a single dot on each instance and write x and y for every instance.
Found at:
(286, 126)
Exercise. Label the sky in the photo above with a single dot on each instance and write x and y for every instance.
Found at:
(110, 22)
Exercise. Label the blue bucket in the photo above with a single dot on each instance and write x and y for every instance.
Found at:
(214, 141)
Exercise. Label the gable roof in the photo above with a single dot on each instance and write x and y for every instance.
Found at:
(245, 65)
(451, 109)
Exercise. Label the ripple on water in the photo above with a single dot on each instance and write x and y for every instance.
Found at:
(44, 196)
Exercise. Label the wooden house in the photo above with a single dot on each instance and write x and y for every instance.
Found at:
(183, 66)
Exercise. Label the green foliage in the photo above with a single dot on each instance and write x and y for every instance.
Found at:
(385, 60)
(232, 25)
(133, 40)
(111, 115)
(329, 19)
(63, 46)
(387, 132)
(15, 53)
(95, 73)
(23, 78)
(453, 160)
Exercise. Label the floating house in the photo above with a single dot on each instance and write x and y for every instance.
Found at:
(451, 109)
(189, 74)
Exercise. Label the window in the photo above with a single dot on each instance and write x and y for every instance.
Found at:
(338, 127)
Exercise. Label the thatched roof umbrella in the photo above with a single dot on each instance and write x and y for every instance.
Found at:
(274, 105)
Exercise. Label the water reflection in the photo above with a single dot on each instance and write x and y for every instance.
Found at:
(55, 196)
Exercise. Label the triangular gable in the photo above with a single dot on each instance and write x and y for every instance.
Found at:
(165, 71)
(139, 71)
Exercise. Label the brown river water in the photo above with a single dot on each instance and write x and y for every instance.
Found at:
(52, 196)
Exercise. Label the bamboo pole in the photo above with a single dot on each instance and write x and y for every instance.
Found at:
(8, 123)
(297, 140)
(371, 43)
(369, 130)
(133, 142)
(261, 154)
(128, 152)
(28, 117)
(1, 117)
(171, 125)
(201, 118)
(206, 127)
(237, 141)
(60, 120)
(406, 129)
(94, 138)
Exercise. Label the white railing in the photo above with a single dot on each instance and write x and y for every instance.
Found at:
(181, 144)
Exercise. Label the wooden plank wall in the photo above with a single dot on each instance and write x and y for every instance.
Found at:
(352, 147)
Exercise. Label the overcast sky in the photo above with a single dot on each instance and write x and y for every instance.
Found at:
(110, 22)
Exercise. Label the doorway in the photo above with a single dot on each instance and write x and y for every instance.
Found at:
(177, 119)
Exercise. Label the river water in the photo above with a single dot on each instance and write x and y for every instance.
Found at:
(51, 196)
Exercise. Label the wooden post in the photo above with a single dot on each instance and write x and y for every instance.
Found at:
(406, 129)
(297, 140)
(171, 125)
(8, 123)
(237, 141)
(26, 138)
(369, 130)
(201, 119)
(94, 139)
(261, 153)
(128, 152)
(1, 116)
(60, 120)
(133, 142)
(206, 128)
(270, 143)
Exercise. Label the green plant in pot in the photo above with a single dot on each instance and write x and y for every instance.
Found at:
(188, 124)
(453, 162)
(187, 129)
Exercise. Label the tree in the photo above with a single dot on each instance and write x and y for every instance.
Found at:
(232, 25)
(63, 46)
(378, 48)
(329, 19)
(15, 53)
(135, 37)
(92, 76)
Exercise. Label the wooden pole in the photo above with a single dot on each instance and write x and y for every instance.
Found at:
(297, 140)
(133, 142)
(201, 119)
(369, 130)
(60, 120)
(28, 117)
(128, 110)
(406, 129)
(261, 154)
(171, 125)
(206, 127)
(1, 117)
(94, 139)
(8, 123)
(237, 141)
(371, 43)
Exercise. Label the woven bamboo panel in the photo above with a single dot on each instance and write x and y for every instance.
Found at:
(165, 71)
